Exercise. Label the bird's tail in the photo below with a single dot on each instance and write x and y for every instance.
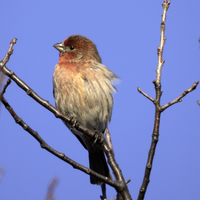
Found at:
(98, 164)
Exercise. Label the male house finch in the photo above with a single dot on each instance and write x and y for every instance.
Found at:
(83, 89)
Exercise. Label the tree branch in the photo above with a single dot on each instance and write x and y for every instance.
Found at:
(157, 106)
(51, 189)
(146, 95)
(158, 109)
(109, 141)
(178, 99)
(9, 53)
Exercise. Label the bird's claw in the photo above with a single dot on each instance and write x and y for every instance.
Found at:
(97, 138)
(73, 122)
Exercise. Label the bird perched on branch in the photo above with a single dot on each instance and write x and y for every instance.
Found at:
(83, 89)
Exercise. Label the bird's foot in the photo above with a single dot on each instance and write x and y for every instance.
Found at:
(73, 122)
(97, 138)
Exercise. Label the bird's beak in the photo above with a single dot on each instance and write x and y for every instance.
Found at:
(60, 47)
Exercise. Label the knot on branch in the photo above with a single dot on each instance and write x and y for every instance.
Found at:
(149, 166)
(163, 24)
(156, 84)
(142, 190)
(88, 171)
(158, 50)
(62, 155)
(29, 91)
(17, 119)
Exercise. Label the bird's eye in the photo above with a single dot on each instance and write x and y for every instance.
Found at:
(71, 47)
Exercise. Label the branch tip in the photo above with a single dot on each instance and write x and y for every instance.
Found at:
(146, 95)
(157, 84)
(128, 181)
(179, 99)
(166, 4)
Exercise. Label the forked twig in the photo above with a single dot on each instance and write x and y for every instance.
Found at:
(158, 109)
(178, 99)
(146, 95)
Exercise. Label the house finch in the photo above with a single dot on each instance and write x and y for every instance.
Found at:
(83, 89)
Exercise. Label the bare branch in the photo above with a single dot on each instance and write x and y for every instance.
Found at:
(9, 53)
(178, 99)
(108, 139)
(103, 189)
(158, 109)
(1, 83)
(162, 42)
(146, 95)
(51, 189)
(157, 84)
(1, 78)
(44, 145)
(128, 181)
(5, 87)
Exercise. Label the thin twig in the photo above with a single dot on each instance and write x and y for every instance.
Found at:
(5, 86)
(2, 76)
(178, 99)
(157, 84)
(146, 95)
(128, 181)
(103, 189)
(51, 189)
(9, 53)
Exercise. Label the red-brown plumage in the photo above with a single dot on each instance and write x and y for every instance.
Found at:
(63, 58)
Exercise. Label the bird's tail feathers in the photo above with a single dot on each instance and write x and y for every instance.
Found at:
(98, 164)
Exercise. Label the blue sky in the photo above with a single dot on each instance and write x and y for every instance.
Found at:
(127, 35)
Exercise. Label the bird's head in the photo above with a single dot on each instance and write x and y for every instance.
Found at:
(78, 48)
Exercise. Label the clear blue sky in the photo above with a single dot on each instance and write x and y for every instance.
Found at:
(127, 35)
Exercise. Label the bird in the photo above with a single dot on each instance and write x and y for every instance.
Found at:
(83, 89)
